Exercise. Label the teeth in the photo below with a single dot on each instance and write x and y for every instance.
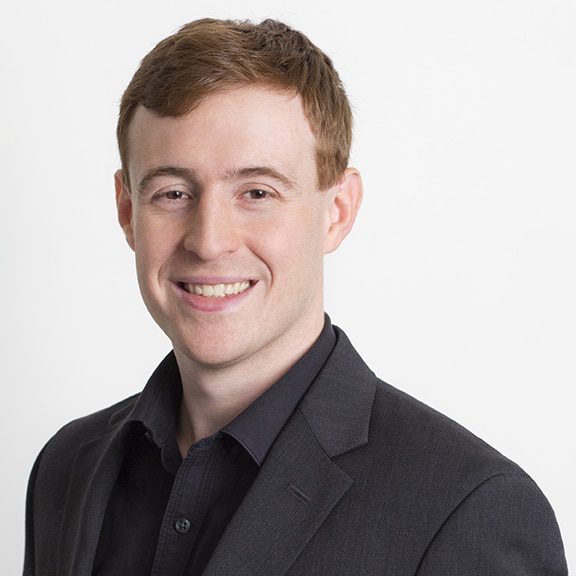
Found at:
(217, 290)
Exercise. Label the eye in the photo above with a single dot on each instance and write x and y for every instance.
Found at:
(175, 195)
(257, 194)
(172, 198)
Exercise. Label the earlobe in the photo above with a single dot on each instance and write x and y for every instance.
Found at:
(124, 207)
(344, 208)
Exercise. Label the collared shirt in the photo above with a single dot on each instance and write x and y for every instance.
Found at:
(166, 514)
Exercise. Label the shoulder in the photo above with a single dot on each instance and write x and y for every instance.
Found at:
(59, 453)
(434, 488)
(418, 450)
(92, 426)
(473, 505)
(418, 431)
(403, 429)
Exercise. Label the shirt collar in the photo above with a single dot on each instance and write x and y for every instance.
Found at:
(259, 424)
(158, 405)
(256, 428)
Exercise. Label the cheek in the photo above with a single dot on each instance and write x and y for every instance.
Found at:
(308, 231)
(153, 245)
(291, 247)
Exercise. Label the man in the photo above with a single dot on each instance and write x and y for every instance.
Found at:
(262, 444)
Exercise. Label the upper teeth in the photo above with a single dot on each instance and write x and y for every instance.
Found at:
(217, 290)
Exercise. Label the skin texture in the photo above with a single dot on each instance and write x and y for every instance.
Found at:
(228, 194)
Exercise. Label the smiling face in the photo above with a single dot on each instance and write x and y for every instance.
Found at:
(229, 228)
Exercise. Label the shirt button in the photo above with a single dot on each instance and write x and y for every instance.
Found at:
(182, 525)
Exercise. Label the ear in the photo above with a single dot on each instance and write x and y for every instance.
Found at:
(344, 204)
(124, 207)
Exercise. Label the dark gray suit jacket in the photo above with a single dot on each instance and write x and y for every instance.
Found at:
(363, 480)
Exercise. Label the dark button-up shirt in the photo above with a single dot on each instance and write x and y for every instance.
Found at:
(167, 514)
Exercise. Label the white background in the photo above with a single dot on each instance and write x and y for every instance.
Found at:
(457, 285)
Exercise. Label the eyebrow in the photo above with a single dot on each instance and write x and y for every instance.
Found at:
(184, 173)
(268, 171)
(190, 177)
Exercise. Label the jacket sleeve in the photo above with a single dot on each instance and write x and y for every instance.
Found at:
(505, 527)
(29, 554)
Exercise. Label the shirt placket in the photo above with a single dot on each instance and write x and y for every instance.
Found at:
(189, 499)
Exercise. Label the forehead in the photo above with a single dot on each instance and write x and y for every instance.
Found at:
(225, 131)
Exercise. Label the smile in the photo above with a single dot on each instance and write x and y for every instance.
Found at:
(216, 290)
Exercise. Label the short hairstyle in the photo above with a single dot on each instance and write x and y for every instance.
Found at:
(208, 56)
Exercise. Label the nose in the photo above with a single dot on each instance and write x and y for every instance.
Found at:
(211, 229)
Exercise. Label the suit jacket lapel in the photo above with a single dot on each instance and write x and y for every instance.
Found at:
(91, 481)
(299, 484)
(295, 490)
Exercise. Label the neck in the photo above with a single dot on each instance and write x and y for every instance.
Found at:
(214, 395)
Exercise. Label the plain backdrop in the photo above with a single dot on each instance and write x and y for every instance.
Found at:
(457, 285)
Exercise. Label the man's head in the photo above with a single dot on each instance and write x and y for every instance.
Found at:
(209, 56)
(234, 186)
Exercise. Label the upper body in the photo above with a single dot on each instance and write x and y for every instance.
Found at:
(362, 479)
(234, 140)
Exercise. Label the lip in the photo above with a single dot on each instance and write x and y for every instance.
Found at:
(211, 304)
(212, 280)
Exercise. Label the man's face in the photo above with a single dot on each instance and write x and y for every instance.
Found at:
(228, 226)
